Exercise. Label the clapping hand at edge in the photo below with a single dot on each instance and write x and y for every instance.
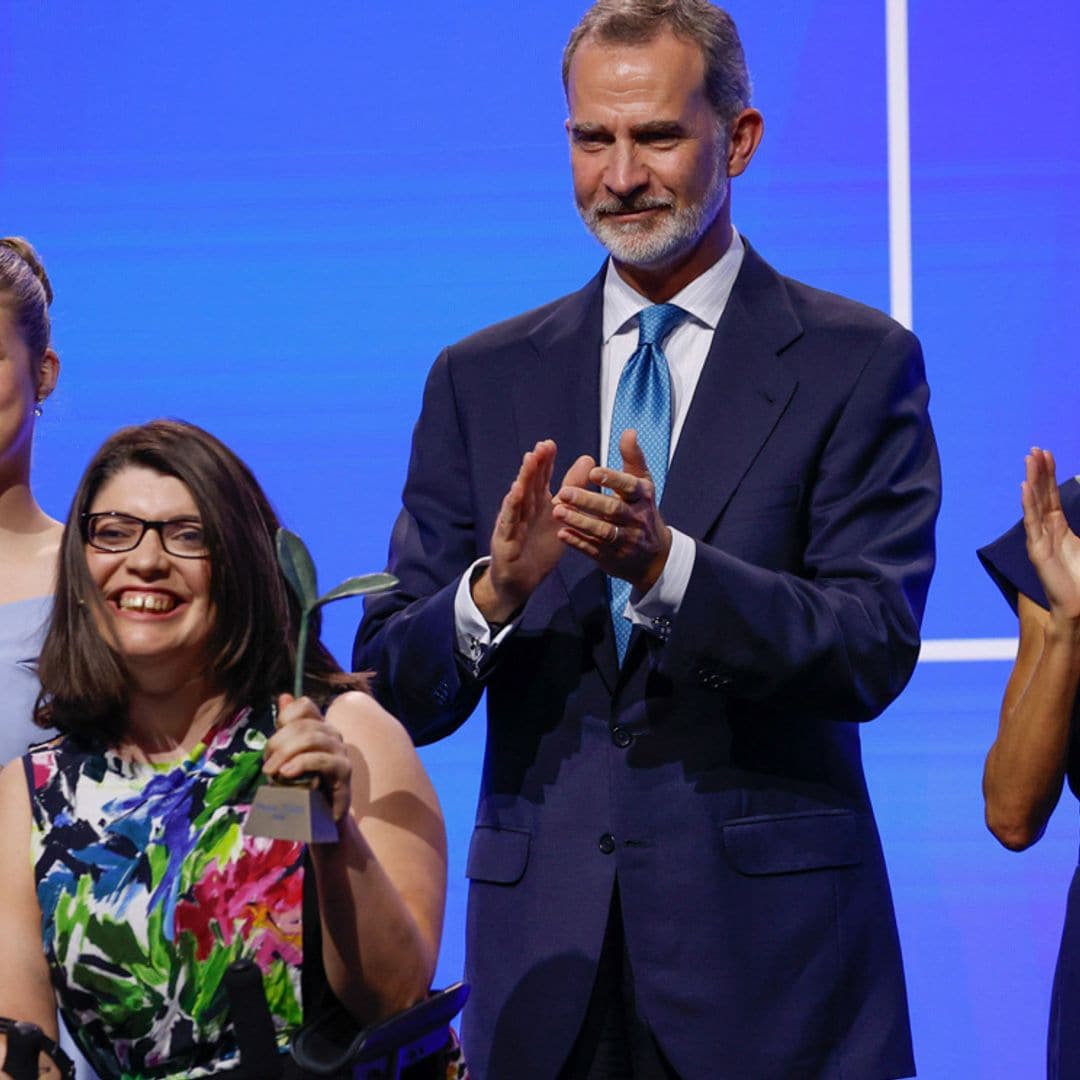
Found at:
(1054, 549)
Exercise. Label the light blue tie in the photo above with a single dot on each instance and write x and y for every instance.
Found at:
(643, 402)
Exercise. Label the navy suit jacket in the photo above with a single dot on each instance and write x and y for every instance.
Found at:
(718, 773)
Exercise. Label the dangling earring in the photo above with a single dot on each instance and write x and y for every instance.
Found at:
(37, 407)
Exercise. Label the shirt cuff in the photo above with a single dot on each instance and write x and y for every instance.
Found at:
(475, 642)
(656, 610)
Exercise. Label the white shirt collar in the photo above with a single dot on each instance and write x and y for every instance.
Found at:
(704, 298)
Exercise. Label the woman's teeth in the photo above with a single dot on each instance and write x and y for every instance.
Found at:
(146, 602)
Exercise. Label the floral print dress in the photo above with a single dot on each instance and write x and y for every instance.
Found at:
(149, 889)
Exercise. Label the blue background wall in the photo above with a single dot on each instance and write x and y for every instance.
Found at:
(268, 219)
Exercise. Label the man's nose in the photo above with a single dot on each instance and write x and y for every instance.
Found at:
(625, 173)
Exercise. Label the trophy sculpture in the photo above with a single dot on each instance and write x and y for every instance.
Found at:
(296, 809)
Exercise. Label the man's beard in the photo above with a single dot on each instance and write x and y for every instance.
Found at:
(658, 241)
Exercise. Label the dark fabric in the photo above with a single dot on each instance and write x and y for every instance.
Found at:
(615, 1042)
(807, 476)
(318, 998)
(1063, 1042)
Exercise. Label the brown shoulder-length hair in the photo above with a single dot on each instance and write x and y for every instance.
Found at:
(252, 646)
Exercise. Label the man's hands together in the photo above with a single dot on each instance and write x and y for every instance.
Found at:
(622, 531)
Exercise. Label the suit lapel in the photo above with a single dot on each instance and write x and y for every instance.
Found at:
(743, 390)
(558, 397)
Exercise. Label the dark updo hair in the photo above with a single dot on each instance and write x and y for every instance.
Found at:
(26, 290)
(252, 644)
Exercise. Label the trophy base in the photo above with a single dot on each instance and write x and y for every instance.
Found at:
(291, 812)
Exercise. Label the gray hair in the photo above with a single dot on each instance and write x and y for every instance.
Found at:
(637, 22)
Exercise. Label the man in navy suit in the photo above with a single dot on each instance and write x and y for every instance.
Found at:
(675, 869)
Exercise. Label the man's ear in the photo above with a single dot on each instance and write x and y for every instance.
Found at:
(745, 131)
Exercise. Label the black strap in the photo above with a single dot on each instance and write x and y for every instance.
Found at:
(251, 1019)
(25, 1043)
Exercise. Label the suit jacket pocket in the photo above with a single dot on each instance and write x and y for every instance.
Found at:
(497, 855)
(789, 843)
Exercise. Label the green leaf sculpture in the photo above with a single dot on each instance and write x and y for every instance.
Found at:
(299, 571)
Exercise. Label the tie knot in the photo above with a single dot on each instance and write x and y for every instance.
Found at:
(656, 322)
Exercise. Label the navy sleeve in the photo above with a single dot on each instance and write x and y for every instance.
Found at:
(1006, 559)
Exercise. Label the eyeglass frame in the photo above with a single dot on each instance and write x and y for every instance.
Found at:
(157, 526)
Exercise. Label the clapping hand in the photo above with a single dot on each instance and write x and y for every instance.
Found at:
(524, 544)
(1052, 546)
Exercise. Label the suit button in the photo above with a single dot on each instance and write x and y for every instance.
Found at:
(621, 737)
(607, 843)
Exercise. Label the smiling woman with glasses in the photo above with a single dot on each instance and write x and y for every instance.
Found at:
(130, 885)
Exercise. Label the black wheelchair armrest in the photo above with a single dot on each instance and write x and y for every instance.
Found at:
(25, 1041)
(332, 1043)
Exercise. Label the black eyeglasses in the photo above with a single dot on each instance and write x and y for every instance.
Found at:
(116, 533)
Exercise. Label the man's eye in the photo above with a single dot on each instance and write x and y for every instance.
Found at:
(661, 141)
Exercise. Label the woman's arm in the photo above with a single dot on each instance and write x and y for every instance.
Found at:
(382, 886)
(1025, 767)
(25, 989)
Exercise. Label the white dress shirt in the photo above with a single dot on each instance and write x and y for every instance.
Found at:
(686, 349)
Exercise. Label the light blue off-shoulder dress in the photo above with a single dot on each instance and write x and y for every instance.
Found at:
(22, 629)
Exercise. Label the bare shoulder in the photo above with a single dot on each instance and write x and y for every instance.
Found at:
(362, 720)
(379, 737)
